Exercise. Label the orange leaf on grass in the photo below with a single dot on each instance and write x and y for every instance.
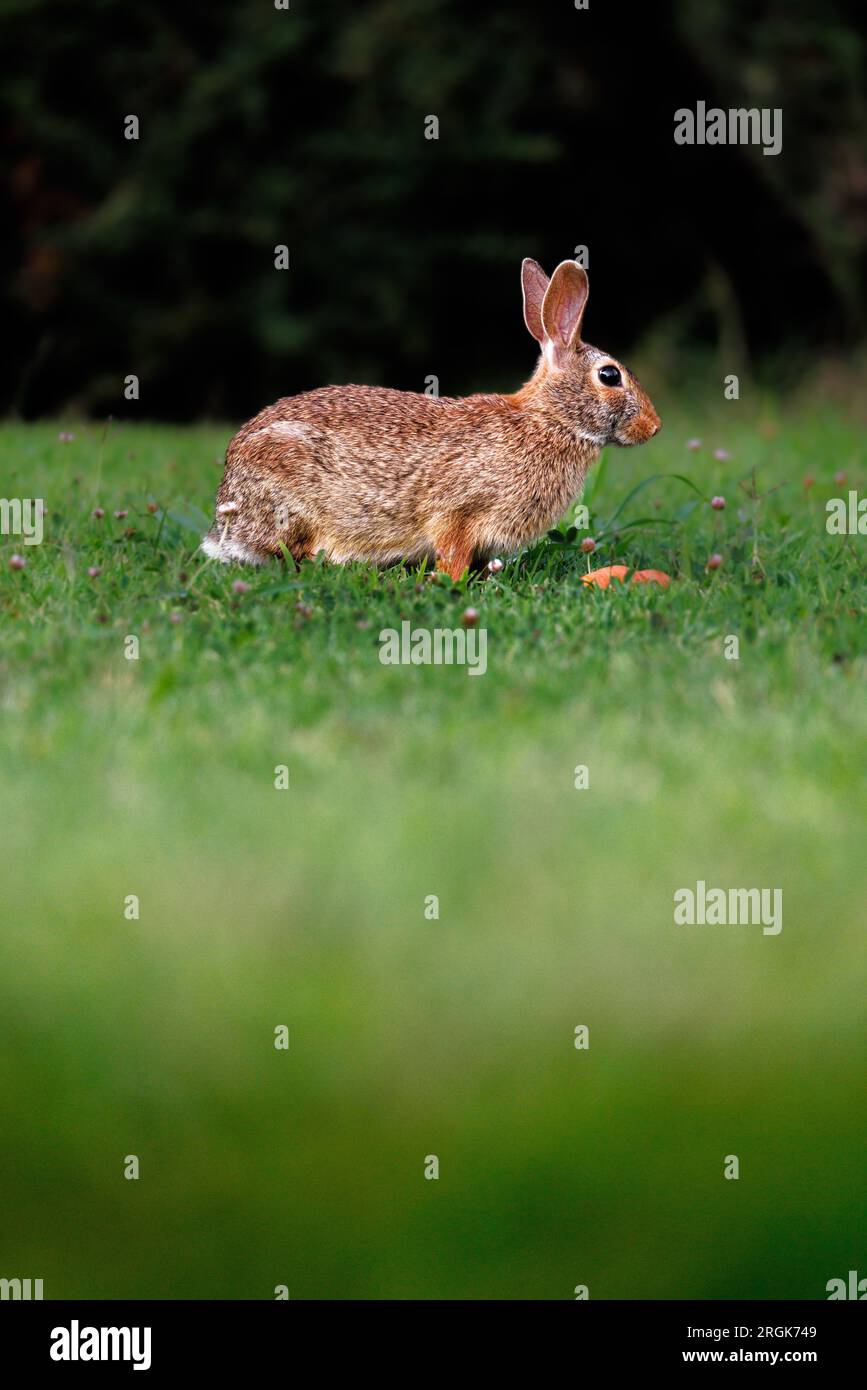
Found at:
(603, 577)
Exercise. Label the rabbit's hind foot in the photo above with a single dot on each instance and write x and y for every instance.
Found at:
(454, 550)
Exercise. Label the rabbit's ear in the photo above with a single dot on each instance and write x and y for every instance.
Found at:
(563, 305)
(534, 283)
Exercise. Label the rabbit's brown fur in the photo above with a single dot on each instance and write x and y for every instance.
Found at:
(366, 473)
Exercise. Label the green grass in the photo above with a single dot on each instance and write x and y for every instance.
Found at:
(305, 907)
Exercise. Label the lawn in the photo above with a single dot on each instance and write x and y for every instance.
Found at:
(411, 1035)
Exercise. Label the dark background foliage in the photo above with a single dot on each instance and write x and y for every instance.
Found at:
(305, 127)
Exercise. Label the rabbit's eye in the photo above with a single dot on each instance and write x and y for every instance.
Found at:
(609, 376)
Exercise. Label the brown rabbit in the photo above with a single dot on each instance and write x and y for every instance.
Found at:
(365, 473)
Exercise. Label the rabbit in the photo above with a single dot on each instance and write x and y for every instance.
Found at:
(367, 473)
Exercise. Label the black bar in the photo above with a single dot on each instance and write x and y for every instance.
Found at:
(225, 1338)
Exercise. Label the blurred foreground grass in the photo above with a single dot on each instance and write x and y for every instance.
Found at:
(411, 1037)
